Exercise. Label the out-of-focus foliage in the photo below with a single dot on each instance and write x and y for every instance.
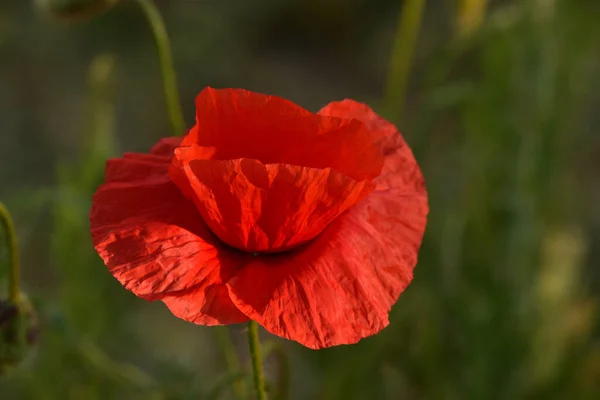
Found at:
(500, 112)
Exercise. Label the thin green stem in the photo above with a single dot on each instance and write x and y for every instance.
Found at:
(402, 57)
(257, 370)
(166, 64)
(14, 265)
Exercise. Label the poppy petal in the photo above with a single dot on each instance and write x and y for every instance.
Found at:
(243, 124)
(256, 207)
(135, 167)
(205, 306)
(153, 240)
(341, 286)
(166, 146)
(400, 170)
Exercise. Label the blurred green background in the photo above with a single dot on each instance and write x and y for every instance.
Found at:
(500, 106)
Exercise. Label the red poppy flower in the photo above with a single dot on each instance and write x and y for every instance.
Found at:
(309, 224)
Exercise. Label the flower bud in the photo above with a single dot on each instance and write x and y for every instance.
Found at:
(19, 330)
(75, 9)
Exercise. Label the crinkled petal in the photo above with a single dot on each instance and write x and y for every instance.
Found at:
(154, 241)
(242, 124)
(201, 305)
(340, 287)
(176, 170)
(400, 170)
(257, 207)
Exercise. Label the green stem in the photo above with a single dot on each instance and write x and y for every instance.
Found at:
(257, 370)
(14, 265)
(166, 64)
(402, 57)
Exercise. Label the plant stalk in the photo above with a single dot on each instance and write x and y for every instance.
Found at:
(166, 64)
(256, 358)
(14, 264)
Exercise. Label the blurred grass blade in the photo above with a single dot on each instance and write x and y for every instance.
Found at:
(118, 371)
(225, 382)
(401, 61)
(223, 338)
(272, 348)
(560, 321)
(99, 141)
(470, 16)
(283, 372)
(73, 254)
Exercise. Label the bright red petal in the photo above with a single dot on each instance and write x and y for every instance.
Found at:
(400, 170)
(156, 244)
(243, 124)
(257, 207)
(341, 286)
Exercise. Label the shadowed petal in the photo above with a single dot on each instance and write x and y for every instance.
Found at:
(154, 241)
(166, 146)
(205, 306)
